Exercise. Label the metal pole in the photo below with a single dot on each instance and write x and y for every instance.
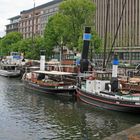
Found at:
(116, 34)
(105, 43)
(33, 24)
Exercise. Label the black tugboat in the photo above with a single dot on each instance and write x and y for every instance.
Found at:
(102, 90)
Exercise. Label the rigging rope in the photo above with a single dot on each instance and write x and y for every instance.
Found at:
(124, 5)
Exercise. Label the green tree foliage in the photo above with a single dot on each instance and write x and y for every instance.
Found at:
(80, 14)
(8, 40)
(56, 32)
(66, 27)
(14, 42)
(30, 49)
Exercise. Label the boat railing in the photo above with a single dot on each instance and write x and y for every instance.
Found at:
(128, 97)
(13, 70)
(131, 98)
(85, 74)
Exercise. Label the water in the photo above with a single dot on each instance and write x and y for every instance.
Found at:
(27, 115)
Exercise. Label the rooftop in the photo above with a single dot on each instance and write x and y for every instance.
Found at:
(42, 6)
(15, 17)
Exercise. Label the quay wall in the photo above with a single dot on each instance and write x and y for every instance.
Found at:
(132, 133)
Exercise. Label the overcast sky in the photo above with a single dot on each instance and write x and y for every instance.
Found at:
(11, 8)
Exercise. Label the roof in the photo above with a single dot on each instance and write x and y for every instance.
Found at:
(53, 72)
(15, 17)
(42, 6)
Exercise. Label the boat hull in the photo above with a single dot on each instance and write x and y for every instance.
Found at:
(6, 73)
(49, 90)
(111, 104)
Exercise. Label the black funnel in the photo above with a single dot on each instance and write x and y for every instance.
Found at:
(84, 57)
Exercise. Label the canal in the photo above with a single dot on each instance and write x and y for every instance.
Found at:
(27, 115)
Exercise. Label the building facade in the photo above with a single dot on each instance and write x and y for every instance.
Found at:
(127, 43)
(32, 22)
(14, 24)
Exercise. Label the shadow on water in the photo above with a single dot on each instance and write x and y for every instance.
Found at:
(31, 115)
(101, 123)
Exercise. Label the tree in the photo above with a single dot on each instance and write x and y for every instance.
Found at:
(65, 27)
(8, 40)
(56, 32)
(25, 46)
(80, 14)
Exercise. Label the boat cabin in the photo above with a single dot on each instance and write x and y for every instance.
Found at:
(8, 67)
(103, 75)
(46, 77)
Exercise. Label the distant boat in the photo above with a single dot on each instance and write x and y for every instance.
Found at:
(50, 82)
(10, 65)
(9, 70)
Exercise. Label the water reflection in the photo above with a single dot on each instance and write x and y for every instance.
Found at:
(103, 123)
(29, 115)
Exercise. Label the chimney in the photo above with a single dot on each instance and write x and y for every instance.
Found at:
(42, 60)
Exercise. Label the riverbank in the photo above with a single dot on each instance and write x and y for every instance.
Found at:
(132, 133)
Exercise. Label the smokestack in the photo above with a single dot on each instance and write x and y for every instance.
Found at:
(42, 60)
(84, 57)
(114, 80)
(115, 66)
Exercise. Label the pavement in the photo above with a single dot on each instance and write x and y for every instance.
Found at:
(132, 133)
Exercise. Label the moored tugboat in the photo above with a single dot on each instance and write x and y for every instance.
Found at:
(104, 90)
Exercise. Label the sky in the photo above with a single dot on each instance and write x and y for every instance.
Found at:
(11, 8)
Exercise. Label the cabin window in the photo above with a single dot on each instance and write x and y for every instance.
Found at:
(41, 76)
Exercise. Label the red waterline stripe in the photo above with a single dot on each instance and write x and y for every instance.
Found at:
(106, 101)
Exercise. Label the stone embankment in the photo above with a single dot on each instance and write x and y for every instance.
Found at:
(132, 133)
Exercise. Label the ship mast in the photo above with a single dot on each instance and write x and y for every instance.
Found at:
(33, 14)
(116, 34)
(105, 43)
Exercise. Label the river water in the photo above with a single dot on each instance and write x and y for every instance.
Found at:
(27, 115)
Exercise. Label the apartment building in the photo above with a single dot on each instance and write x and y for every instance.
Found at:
(32, 22)
(127, 43)
(14, 23)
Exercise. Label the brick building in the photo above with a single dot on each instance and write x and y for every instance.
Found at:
(32, 22)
